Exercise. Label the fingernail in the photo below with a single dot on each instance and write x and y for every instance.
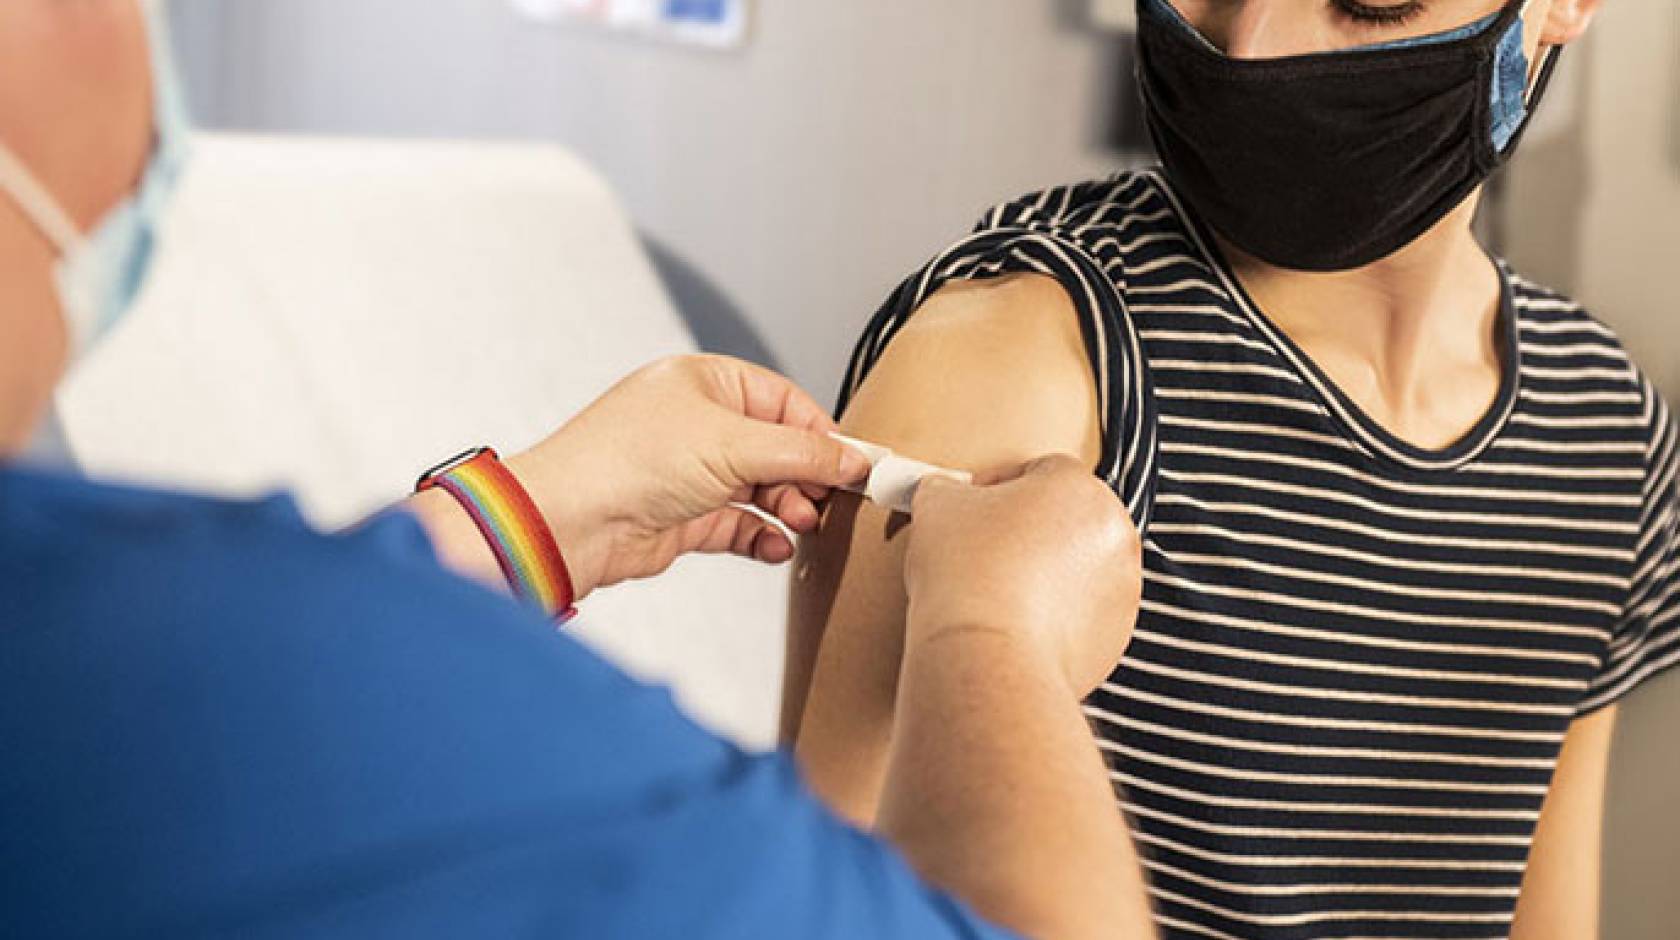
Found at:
(870, 452)
(857, 458)
(854, 467)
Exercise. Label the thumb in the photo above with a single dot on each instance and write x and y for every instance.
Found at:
(933, 489)
(1009, 473)
(769, 454)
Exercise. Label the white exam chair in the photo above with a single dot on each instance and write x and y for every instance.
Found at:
(330, 317)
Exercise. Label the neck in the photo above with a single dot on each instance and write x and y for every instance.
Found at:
(1411, 338)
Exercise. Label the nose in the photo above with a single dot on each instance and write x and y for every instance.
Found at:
(1257, 29)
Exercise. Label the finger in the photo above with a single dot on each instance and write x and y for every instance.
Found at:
(773, 548)
(770, 498)
(789, 505)
(737, 531)
(1053, 464)
(1008, 473)
(814, 492)
(794, 504)
(1048, 464)
(768, 455)
(713, 533)
(934, 491)
(768, 518)
(997, 476)
(754, 536)
(772, 397)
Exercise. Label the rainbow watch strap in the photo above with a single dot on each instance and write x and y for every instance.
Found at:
(512, 525)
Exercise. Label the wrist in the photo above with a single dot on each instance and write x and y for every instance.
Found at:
(509, 529)
(579, 521)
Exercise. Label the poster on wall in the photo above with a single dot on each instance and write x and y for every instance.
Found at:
(719, 24)
(1120, 15)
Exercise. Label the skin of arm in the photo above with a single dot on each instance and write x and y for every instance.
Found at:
(994, 789)
(1561, 890)
(986, 374)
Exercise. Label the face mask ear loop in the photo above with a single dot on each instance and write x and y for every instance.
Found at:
(1548, 67)
(1541, 73)
(37, 203)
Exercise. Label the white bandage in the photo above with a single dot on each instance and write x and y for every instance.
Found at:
(893, 479)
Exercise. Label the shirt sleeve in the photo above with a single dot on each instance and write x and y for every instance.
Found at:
(729, 847)
(1060, 233)
(1646, 638)
(648, 826)
(238, 728)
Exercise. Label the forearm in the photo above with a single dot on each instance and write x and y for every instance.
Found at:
(996, 792)
(1560, 897)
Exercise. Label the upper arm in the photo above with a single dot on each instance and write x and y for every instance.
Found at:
(1560, 890)
(987, 374)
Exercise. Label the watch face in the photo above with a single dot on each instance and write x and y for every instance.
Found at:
(452, 464)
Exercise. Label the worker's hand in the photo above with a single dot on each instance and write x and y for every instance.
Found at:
(647, 473)
(1047, 555)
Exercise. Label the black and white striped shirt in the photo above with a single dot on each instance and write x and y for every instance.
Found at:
(1356, 660)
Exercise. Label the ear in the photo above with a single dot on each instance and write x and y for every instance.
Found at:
(1567, 20)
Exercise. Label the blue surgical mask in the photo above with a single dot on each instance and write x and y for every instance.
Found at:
(100, 274)
(1509, 94)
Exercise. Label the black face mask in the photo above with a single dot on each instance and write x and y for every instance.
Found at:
(1329, 161)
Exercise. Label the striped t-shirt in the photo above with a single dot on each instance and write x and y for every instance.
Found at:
(1356, 660)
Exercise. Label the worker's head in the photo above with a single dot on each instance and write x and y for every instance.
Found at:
(81, 160)
(1327, 135)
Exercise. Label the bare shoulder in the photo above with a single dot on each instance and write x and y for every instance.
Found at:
(985, 374)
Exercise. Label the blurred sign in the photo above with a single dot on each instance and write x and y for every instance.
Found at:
(716, 23)
(1115, 14)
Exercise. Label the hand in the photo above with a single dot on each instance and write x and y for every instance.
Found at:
(646, 473)
(1047, 555)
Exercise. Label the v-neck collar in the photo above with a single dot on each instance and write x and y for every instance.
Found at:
(1363, 430)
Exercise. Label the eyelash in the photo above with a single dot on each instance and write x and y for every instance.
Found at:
(1398, 14)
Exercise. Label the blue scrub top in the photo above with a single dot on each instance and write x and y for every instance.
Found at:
(216, 721)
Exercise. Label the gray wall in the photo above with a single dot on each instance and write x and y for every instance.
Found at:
(803, 176)
(1593, 205)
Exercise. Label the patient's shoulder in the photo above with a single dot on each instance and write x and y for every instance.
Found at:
(1090, 207)
(1581, 351)
(984, 374)
(1546, 316)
